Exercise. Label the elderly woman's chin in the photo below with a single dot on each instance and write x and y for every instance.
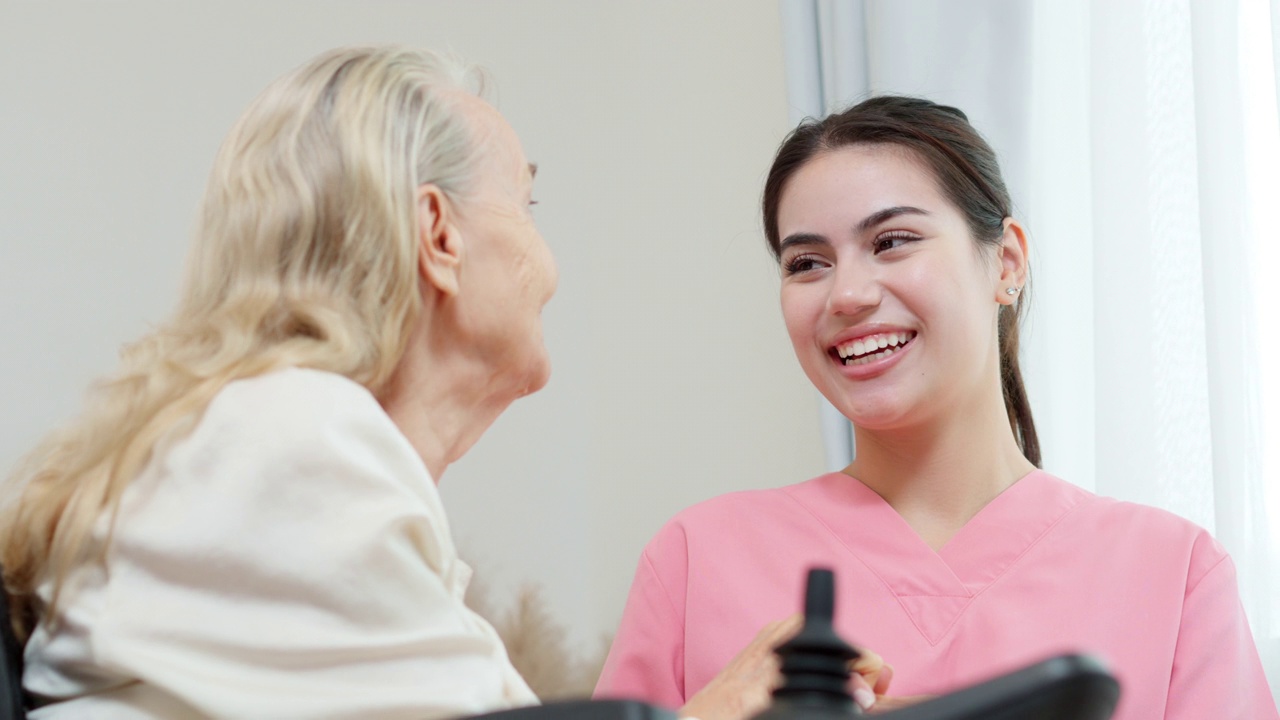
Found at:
(539, 374)
(531, 371)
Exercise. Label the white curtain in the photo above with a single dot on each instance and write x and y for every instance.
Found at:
(1141, 142)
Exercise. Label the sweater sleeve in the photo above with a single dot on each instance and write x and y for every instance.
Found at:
(292, 560)
(646, 660)
(1216, 670)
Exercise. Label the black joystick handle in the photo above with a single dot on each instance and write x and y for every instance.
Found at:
(815, 686)
(815, 663)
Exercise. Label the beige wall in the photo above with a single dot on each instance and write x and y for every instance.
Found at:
(653, 124)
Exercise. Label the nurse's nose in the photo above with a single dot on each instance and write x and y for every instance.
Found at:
(854, 290)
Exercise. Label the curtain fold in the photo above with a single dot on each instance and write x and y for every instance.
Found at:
(1141, 144)
(826, 63)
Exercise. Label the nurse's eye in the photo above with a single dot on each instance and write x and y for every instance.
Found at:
(802, 264)
(892, 240)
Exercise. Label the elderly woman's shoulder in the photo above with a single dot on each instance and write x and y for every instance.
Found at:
(296, 415)
(291, 401)
(294, 441)
(295, 389)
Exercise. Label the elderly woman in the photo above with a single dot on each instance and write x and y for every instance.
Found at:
(244, 521)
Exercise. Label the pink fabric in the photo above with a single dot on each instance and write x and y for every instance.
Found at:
(1045, 568)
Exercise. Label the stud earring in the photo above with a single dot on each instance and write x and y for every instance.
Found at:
(1012, 291)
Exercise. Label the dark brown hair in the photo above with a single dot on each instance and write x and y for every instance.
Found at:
(967, 171)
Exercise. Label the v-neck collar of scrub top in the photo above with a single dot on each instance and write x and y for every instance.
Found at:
(936, 587)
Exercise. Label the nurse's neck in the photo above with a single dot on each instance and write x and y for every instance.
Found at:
(938, 475)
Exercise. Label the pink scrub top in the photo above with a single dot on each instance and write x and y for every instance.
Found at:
(1044, 568)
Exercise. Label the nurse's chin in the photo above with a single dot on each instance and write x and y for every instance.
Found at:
(876, 413)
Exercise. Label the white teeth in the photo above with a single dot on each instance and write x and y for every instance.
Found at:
(863, 350)
(871, 358)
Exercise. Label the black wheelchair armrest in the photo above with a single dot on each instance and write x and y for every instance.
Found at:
(1067, 687)
(583, 710)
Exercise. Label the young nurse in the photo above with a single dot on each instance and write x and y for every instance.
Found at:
(956, 557)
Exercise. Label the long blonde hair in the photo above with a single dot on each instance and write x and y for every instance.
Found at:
(304, 255)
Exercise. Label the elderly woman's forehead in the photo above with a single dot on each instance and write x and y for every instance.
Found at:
(485, 120)
(492, 132)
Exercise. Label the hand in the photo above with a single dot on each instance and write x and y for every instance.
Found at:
(884, 703)
(742, 689)
(870, 683)
(870, 680)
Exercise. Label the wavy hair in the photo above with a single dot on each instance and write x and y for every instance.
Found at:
(305, 255)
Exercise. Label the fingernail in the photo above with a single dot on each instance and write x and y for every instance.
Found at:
(864, 697)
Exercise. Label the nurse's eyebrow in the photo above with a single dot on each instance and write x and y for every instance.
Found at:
(869, 222)
(802, 239)
(886, 214)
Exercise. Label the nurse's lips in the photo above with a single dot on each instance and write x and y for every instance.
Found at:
(871, 346)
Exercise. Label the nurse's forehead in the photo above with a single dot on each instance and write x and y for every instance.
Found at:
(860, 177)
(867, 167)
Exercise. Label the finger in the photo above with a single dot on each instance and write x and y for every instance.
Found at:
(862, 692)
(896, 703)
(775, 633)
(756, 663)
(871, 666)
(776, 681)
(762, 643)
(763, 669)
(868, 661)
(782, 630)
(886, 677)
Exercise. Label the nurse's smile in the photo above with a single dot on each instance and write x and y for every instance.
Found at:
(868, 352)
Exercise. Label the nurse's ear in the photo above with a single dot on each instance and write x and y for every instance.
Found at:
(1011, 255)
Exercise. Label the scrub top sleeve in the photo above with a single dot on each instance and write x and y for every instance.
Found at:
(646, 661)
(1216, 669)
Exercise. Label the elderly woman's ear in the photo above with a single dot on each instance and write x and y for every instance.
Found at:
(439, 244)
